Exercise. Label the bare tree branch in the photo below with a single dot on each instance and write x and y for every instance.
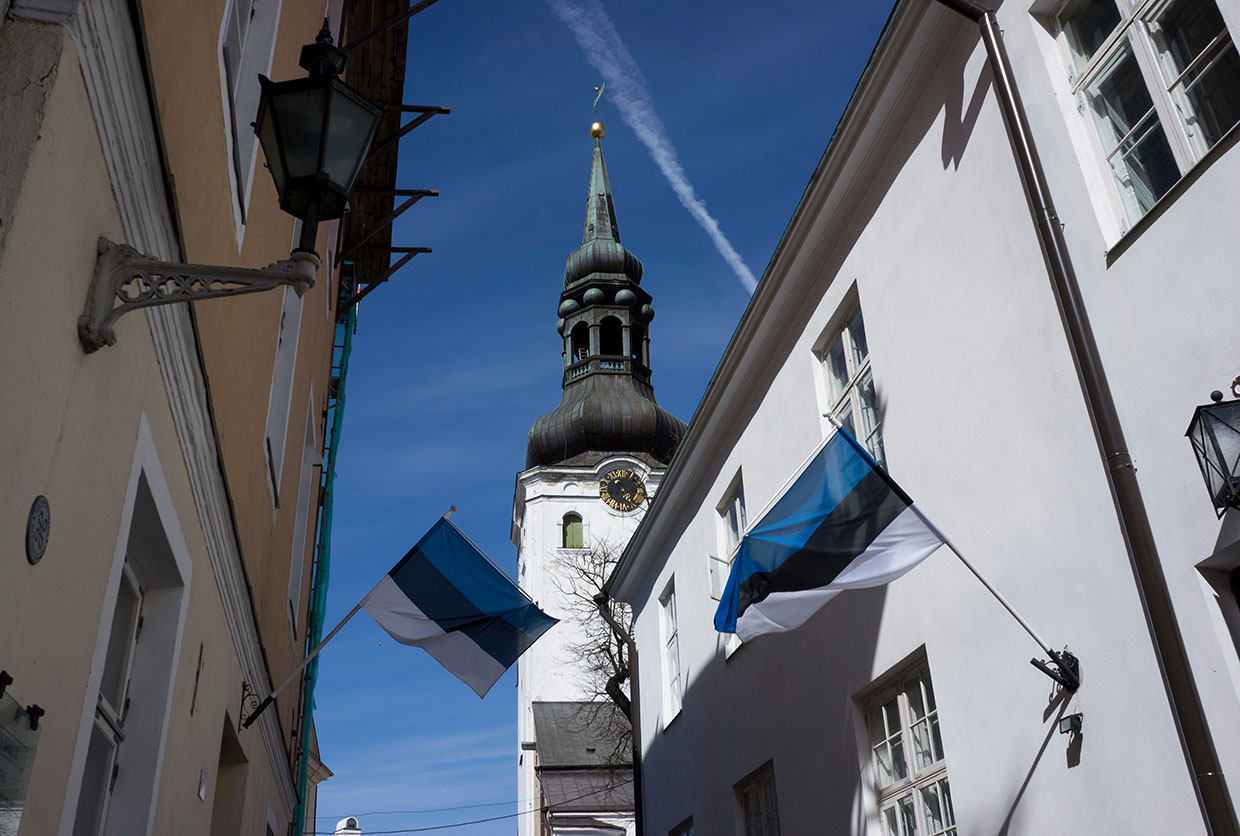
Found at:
(599, 653)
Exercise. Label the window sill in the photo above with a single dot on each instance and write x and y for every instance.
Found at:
(667, 724)
(1182, 185)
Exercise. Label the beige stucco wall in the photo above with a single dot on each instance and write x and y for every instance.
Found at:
(71, 429)
(238, 336)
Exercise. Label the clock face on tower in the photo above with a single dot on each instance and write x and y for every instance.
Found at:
(622, 489)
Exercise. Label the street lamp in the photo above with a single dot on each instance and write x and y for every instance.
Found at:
(315, 133)
(1215, 435)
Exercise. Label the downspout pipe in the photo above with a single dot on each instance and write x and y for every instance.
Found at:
(1209, 783)
(600, 600)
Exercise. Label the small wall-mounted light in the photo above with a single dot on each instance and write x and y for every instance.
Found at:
(1215, 436)
(1070, 724)
(316, 133)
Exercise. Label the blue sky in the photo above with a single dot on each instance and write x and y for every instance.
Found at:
(456, 357)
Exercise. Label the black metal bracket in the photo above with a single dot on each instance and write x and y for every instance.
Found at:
(424, 112)
(6, 679)
(35, 712)
(1066, 670)
(250, 698)
(355, 42)
(411, 196)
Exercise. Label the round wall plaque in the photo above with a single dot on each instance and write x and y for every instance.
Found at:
(38, 529)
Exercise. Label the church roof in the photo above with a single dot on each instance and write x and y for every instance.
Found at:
(580, 734)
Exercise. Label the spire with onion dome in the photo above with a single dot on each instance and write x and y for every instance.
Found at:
(608, 404)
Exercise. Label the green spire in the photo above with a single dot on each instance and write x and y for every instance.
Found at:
(600, 210)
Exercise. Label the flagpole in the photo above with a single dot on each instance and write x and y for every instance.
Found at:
(1068, 673)
(262, 706)
(494, 565)
(1068, 666)
(796, 474)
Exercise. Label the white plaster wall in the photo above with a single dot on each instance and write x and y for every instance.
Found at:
(550, 671)
(985, 427)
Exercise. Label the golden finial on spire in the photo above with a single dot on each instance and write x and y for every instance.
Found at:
(596, 130)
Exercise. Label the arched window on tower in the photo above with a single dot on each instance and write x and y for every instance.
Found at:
(580, 342)
(573, 534)
(611, 337)
(638, 344)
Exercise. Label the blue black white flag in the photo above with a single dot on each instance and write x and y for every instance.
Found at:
(446, 597)
(843, 524)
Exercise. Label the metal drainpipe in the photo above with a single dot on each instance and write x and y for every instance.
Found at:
(634, 710)
(1208, 780)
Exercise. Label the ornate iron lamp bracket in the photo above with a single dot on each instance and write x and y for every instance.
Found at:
(126, 280)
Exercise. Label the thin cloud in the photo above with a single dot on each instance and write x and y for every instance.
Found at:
(626, 86)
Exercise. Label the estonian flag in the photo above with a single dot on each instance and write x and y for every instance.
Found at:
(446, 597)
(844, 524)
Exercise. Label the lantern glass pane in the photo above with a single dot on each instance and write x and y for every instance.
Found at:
(351, 125)
(271, 148)
(1223, 422)
(300, 115)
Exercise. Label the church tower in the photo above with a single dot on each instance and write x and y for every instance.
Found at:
(592, 465)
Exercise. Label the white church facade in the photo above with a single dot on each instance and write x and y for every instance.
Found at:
(593, 464)
(914, 298)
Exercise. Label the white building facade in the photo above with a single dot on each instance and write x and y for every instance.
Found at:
(592, 466)
(909, 299)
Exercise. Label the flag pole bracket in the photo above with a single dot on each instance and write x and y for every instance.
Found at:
(1066, 670)
(249, 698)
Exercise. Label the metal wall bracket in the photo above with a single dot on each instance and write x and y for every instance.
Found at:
(1066, 670)
(126, 280)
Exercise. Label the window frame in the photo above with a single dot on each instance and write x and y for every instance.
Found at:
(848, 400)
(305, 523)
(720, 565)
(918, 779)
(1132, 32)
(755, 782)
(669, 643)
(240, 92)
(109, 720)
(564, 524)
(283, 384)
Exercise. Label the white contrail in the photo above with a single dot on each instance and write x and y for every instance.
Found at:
(626, 86)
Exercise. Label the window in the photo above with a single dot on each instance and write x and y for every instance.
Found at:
(906, 747)
(611, 337)
(246, 46)
(303, 522)
(111, 708)
(671, 654)
(685, 828)
(1160, 81)
(732, 527)
(759, 810)
(281, 398)
(573, 536)
(850, 386)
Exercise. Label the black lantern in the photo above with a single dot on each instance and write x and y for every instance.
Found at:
(315, 133)
(1215, 434)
